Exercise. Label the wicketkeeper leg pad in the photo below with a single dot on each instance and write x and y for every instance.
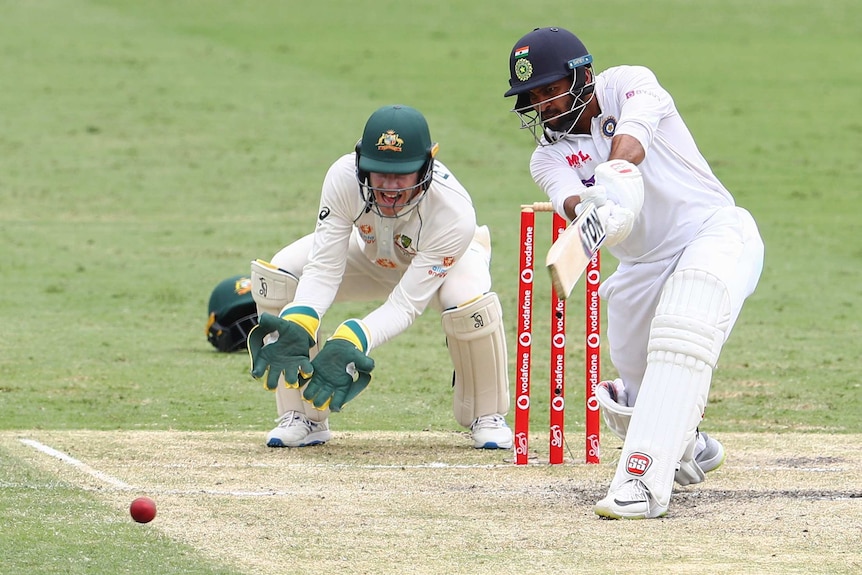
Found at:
(272, 289)
(686, 336)
(477, 345)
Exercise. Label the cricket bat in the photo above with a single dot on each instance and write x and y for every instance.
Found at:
(575, 247)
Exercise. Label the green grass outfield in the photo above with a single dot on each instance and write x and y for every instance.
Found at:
(149, 149)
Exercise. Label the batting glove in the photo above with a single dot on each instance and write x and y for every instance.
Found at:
(598, 195)
(617, 221)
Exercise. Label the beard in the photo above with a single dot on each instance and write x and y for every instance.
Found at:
(566, 121)
(562, 122)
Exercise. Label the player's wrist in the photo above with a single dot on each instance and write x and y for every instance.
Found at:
(304, 316)
(354, 331)
(597, 194)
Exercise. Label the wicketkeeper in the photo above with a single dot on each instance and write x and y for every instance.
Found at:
(394, 225)
(688, 256)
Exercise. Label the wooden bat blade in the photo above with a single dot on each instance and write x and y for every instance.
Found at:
(571, 253)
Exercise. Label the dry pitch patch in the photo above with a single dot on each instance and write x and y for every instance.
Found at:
(428, 503)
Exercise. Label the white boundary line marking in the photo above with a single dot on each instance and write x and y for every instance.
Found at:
(65, 458)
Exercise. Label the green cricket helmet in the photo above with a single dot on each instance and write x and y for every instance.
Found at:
(232, 314)
(396, 140)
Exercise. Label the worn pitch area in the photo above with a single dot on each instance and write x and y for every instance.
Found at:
(427, 503)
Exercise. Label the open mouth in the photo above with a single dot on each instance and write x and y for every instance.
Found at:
(389, 199)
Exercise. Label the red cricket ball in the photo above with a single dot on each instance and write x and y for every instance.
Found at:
(143, 509)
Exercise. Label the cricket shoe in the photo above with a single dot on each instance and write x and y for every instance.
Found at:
(491, 432)
(709, 455)
(296, 430)
(631, 500)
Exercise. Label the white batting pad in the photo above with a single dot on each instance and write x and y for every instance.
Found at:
(290, 399)
(477, 345)
(686, 336)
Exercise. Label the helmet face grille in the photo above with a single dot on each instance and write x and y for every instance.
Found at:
(415, 194)
(234, 336)
(581, 93)
(232, 314)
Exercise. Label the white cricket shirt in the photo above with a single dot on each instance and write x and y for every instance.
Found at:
(680, 190)
(422, 245)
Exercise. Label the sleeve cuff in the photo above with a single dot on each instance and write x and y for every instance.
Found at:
(354, 331)
(303, 316)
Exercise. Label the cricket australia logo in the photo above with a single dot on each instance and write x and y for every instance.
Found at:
(242, 286)
(390, 140)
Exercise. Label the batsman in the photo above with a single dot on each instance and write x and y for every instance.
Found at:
(688, 256)
(394, 225)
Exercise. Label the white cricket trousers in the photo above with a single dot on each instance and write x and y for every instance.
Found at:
(728, 246)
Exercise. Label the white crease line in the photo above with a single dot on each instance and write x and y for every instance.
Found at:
(75, 463)
(231, 493)
(800, 469)
(434, 465)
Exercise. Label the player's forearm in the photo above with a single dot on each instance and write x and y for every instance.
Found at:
(623, 147)
(569, 206)
(387, 321)
(317, 291)
(628, 148)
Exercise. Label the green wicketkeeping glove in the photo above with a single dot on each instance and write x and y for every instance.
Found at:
(297, 328)
(341, 369)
